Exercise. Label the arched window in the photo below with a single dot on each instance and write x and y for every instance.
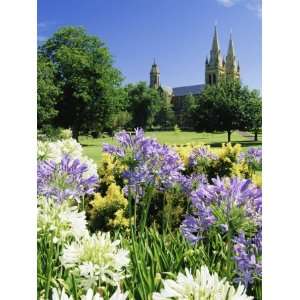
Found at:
(214, 79)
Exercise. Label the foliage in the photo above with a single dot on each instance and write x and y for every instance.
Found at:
(172, 226)
(110, 171)
(184, 111)
(88, 83)
(202, 286)
(220, 107)
(144, 104)
(47, 93)
(165, 117)
(109, 212)
(252, 111)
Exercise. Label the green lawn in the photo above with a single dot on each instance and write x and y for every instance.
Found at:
(93, 147)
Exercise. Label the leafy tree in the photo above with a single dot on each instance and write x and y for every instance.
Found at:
(184, 107)
(144, 104)
(187, 111)
(90, 84)
(165, 116)
(220, 107)
(253, 113)
(47, 93)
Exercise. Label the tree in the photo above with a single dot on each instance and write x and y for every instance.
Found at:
(144, 104)
(253, 113)
(220, 107)
(88, 81)
(47, 93)
(165, 117)
(188, 107)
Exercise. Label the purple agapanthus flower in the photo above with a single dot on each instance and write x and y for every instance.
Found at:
(247, 258)
(225, 193)
(64, 180)
(201, 154)
(252, 156)
(149, 163)
(192, 182)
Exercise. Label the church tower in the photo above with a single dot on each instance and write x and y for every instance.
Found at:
(154, 76)
(215, 66)
(232, 68)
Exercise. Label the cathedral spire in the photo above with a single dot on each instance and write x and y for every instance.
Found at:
(215, 44)
(231, 51)
(154, 76)
(215, 52)
(232, 68)
(214, 68)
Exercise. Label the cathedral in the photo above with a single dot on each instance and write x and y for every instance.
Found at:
(216, 67)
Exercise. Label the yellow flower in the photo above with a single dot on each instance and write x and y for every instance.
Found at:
(110, 209)
(114, 197)
(257, 180)
(119, 220)
(109, 168)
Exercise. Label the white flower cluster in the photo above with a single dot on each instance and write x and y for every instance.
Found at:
(118, 295)
(203, 286)
(61, 221)
(97, 260)
(56, 150)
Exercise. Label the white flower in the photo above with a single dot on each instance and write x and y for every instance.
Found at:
(48, 151)
(70, 147)
(57, 150)
(60, 220)
(92, 167)
(96, 258)
(90, 296)
(203, 286)
(60, 296)
(76, 221)
(118, 295)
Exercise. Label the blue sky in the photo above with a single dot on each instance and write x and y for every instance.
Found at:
(178, 33)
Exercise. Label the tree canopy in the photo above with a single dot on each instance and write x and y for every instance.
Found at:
(143, 103)
(221, 107)
(47, 93)
(89, 84)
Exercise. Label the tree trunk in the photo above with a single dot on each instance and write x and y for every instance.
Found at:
(255, 135)
(75, 133)
(228, 136)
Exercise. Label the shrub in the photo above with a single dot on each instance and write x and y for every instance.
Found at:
(109, 212)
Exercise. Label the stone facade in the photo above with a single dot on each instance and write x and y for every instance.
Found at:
(216, 67)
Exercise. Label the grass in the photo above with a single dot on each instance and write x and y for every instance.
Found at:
(93, 147)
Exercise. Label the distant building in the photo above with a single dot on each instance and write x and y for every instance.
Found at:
(215, 68)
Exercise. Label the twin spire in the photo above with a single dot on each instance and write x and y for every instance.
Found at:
(217, 66)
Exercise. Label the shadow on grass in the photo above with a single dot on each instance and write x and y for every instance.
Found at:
(242, 143)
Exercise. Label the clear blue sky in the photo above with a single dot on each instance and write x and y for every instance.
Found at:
(178, 33)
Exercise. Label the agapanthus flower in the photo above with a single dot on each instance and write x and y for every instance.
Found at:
(62, 221)
(61, 295)
(247, 258)
(200, 154)
(64, 180)
(148, 163)
(192, 182)
(201, 286)
(56, 151)
(97, 259)
(224, 193)
(252, 156)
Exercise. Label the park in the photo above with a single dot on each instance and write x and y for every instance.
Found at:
(145, 192)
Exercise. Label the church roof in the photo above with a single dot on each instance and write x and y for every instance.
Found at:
(190, 89)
